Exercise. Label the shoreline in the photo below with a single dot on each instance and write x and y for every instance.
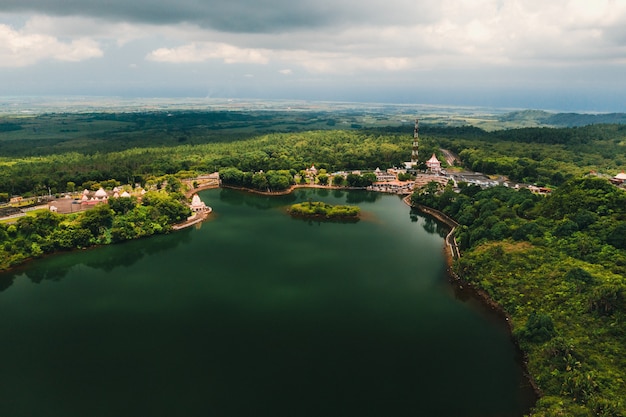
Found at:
(478, 294)
(193, 220)
(190, 193)
(289, 190)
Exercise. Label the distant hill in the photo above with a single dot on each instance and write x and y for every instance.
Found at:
(544, 118)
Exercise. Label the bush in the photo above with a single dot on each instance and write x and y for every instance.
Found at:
(539, 328)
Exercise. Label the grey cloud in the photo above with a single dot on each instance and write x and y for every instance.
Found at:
(251, 16)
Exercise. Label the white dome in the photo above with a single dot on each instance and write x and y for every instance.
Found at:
(101, 193)
(195, 201)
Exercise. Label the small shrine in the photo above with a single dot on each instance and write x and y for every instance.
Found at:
(198, 206)
(311, 171)
(434, 164)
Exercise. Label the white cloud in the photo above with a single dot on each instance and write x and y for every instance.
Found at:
(19, 49)
(521, 32)
(204, 51)
(324, 57)
(343, 63)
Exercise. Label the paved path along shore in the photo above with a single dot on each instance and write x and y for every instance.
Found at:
(452, 245)
(197, 218)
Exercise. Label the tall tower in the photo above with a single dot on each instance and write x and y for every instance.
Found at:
(415, 144)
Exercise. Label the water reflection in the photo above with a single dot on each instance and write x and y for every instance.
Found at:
(6, 281)
(53, 273)
(363, 197)
(107, 258)
(432, 226)
(429, 225)
(323, 192)
(442, 229)
(338, 193)
(319, 221)
(232, 197)
(262, 202)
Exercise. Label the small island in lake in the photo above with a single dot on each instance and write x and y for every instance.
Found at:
(324, 211)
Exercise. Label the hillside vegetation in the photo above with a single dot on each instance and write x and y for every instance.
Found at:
(555, 264)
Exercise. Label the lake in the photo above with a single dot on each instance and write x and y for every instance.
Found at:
(254, 313)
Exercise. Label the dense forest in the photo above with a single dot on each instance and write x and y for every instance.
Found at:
(109, 147)
(555, 264)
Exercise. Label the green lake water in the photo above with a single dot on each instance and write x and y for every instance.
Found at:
(257, 314)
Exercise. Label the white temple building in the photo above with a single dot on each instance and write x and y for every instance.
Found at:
(434, 164)
(198, 205)
(311, 171)
(384, 175)
(101, 194)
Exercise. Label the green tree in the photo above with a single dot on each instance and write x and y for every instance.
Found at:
(338, 180)
(617, 236)
(174, 185)
(41, 224)
(231, 176)
(259, 181)
(578, 275)
(539, 328)
(122, 205)
(166, 206)
(97, 219)
(279, 180)
(368, 179)
(607, 298)
(109, 184)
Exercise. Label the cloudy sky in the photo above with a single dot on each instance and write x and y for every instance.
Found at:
(556, 54)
